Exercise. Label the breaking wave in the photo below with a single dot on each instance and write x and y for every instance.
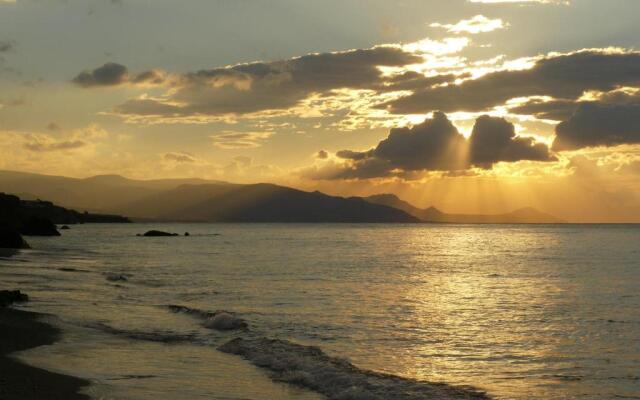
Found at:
(336, 378)
(306, 366)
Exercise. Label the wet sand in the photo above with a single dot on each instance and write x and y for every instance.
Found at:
(21, 330)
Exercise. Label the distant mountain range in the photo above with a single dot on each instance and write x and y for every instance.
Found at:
(197, 200)
(525, 215)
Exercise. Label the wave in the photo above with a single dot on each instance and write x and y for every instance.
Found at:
(336, 378)
(308, 366)
(219, 320)
(154, 336)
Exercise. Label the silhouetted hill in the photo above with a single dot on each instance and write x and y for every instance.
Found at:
(526, 215)
(16, 213)
(259, 203)
(98, 193)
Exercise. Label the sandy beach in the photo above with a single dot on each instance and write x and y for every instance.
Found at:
(21, 330)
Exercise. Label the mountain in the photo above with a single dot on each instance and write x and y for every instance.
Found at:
(526, 215)
(99, 193)
(215, 201)
(259, 203)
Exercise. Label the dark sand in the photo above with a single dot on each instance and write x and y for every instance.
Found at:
(21, 330)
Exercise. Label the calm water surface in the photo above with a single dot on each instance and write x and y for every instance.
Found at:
(523, 312)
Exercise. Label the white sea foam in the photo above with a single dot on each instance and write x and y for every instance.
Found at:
(336, 378)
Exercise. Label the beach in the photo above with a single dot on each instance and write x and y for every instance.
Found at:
(22, 330)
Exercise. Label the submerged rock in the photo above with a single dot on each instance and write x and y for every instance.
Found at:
(224, 321)
(12, 240)
(8, 297)
(154, 233)
(36, 226)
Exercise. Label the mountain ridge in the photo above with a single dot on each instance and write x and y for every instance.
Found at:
(201, 200)
(525, 215)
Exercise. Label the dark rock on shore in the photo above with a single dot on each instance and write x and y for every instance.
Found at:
(64, 227)
(154, 233)
(39, 226)
(225, 321)
(15, 213)
(10, 239)
(9, 297)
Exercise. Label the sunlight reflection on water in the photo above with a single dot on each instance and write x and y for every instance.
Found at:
(520, 311)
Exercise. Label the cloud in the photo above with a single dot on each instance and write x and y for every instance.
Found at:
(597, 124)
(110, 74)
(563, 76)
(435, 145)
(475, 25)
(322, 155)
(239, 140)
(262, 86)
(179, 157)
(151, 77)
(43, 143)
(114, 74)
(494, 139)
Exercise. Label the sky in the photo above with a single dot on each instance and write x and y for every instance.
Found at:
(479, 106)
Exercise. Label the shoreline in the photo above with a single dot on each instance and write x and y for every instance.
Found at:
(22, 330)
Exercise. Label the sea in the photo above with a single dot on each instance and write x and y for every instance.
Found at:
(516, 311)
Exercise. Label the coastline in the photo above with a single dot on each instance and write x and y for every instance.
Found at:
(22, 330)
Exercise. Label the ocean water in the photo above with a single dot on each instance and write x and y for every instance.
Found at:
(521, 312)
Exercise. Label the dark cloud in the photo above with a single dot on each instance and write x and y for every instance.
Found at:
(113, 74)
(556, 110)
(411, 80)
(261, 86)
(560, 110)
(559, 76)
(599, 124)
(494, 140)
(110, 74)
(432, 145)
(322, 155)
(436, 145)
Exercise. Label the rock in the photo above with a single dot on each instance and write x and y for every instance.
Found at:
(186, 233)
(8, 297)
(64, 227)
(155, 233)
(117, 278)
(12, 240)
(36, 226)
(224, 321)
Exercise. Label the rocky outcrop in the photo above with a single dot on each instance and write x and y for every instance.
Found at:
(38, 226)
(9, 297)
(15, 213)
(10, 239)
(154, 233)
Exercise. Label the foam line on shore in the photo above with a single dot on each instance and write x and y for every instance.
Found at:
(336, 378)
